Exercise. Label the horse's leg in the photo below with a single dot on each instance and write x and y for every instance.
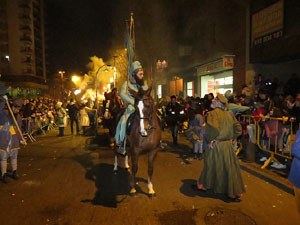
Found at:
(126, 162)
(151, 157)
(134, 166)
(116, 163)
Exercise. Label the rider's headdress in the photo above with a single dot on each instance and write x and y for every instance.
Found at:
(134, 66)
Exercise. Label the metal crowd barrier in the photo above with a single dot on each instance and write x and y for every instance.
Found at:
(37, 124)
(282, 136)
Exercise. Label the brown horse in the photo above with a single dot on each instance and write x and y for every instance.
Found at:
(113, 110)
(111, 116)
(145, 135)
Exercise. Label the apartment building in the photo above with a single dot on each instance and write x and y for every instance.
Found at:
(22, 46)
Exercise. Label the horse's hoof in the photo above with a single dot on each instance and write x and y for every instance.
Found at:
(152, 196)
(132, 195)
(132, 192)
(115, 172)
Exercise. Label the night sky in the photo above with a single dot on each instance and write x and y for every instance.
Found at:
(77, 30)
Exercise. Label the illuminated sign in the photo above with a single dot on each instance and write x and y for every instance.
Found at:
(267, 24)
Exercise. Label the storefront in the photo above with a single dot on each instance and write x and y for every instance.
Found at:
(217, 76)
(176, 86)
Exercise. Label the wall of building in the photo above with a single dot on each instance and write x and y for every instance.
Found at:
(25, 44)
(274, 56)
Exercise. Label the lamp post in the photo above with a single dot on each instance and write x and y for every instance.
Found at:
(62, 81)
(115, 71)
(96, 99)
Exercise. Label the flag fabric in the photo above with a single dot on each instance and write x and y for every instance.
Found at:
(130, 42)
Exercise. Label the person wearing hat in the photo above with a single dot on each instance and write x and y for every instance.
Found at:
(10, 138)
(221, 172)
(231, 106)
(136, 75)
(61, 118)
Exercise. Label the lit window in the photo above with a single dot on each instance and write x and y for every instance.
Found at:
(159, 91)
(189, 88)
(228, 80)
(7, 57)
(220, 81)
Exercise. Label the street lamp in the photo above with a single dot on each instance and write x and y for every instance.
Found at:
(62, 81)
(75, 79)
(96, 100)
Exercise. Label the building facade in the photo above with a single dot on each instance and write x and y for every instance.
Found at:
(211, 50)
(22, 46)
(273, 40)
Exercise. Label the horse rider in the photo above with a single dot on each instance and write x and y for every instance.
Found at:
(135, 81)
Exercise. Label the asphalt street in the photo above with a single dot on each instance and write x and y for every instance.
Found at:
(64, 182)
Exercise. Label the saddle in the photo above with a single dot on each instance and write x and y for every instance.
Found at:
(129, 123)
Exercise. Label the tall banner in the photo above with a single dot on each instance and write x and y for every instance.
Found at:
(130, 41)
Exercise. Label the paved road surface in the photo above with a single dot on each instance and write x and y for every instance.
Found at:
(63, 183)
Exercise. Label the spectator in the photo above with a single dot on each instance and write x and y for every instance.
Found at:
(197, 124)
(173, 113)
(232, 107)
(61, 118)
(73, 110)
(292, 85)
(274, 130)
(260, 83)
(294, 175)
(84, 120)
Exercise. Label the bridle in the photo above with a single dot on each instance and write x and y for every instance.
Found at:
(149, 119)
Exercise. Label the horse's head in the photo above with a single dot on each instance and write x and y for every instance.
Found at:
(112, 105)
(144, 106)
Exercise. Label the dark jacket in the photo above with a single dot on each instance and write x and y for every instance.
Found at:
(8, 130)
(73, 110)
(173, 112)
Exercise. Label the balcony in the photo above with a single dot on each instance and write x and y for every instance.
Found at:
(28, 71)
(3, 26)
(24, 5)
(24, 17)
(27, 61)
(26, 39)
(37, 25)
(37, 16)
(25, 28)
(26, 50)
(3, 13)
(36, 7)
(4, 48)
(3, 37)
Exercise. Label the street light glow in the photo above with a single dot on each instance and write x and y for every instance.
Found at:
(76, 92)
(75, 78)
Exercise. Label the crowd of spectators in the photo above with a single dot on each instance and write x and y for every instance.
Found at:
(43, 113)
(266, 99)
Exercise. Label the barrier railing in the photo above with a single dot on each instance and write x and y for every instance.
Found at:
(245, 121)
(272, 135)
(34, 125)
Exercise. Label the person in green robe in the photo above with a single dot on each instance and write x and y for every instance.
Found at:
(221, 171)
